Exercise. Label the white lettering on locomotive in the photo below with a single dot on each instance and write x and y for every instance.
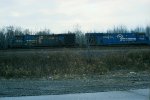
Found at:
(122, 38)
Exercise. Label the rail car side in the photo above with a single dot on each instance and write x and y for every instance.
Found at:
(53, 40)
(97, 39)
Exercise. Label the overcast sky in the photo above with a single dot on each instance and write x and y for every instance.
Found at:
(63, 15)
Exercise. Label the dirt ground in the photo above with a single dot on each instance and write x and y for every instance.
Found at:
(122, 80)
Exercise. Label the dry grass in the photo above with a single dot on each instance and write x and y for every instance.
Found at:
(38, 64)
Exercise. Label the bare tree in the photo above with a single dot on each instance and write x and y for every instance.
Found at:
(26, 32)
(18, 31)
(138, 29)
(2, 39)
(9, 33)
(147, 30)
(118, 29)
(80, 38)
(44, 32)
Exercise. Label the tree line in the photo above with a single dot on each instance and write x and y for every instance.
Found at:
(7, 33)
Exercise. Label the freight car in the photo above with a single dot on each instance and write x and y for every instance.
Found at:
(97, 39)
(52, 40)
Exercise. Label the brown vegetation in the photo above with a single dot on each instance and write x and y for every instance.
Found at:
(39, 64)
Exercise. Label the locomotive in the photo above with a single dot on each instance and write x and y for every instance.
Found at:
(52, 40)
(69, 40)
(97, 39)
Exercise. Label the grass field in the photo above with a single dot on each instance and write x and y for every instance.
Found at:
(68, 62)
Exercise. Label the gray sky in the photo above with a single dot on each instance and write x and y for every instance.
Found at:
(63, 15)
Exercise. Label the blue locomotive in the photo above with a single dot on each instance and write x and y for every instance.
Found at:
(97, 39)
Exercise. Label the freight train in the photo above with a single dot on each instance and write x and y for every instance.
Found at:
(69, 40)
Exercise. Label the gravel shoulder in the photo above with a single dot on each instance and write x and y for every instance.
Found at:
(99, 83)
